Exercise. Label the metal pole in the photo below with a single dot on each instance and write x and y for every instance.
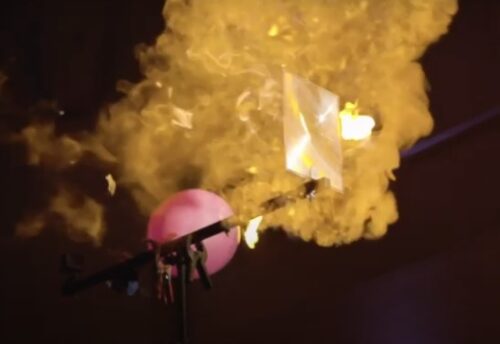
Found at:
(74, 286)
(181, 298)
(451, 133)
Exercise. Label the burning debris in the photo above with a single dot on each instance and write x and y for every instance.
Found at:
(212, 102)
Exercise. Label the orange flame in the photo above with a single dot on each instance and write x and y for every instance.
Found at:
(355, 127)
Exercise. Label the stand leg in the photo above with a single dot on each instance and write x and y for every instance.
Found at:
(181, 301)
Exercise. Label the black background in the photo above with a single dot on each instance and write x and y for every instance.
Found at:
(434, 278)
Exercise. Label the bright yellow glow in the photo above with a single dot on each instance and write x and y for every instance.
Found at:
(353, 126)
(273, 31)
(252, 232)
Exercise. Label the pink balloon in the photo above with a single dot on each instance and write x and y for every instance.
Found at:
(188, 211)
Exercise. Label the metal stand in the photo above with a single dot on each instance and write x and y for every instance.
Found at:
(182, 300)
(187, 254)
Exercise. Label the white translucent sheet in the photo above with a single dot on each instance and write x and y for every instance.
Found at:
(311, 130)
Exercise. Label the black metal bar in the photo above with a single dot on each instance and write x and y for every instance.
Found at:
(451, 133)
(200, 265)
(74, 286)
(194, 238)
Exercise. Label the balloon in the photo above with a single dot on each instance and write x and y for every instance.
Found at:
(188, 211)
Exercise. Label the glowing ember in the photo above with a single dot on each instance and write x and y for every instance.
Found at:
(252, 232)
(353, 126)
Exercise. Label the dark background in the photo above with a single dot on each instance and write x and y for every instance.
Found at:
(434, 278)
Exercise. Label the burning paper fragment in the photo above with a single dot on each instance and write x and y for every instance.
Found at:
(310, 122)
(111, 184)
(183, 118)
(252, 232)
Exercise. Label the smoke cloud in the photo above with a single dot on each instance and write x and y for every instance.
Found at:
(82, 217)
(208, 112)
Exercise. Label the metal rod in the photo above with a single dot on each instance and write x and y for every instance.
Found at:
(194, 238)
(450, 133)
(73, 286)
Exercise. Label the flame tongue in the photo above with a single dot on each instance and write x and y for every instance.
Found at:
(251, 233)
(355, 127)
